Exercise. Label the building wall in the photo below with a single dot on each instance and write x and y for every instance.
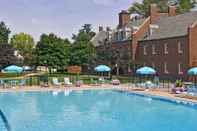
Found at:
(173, 58)
(120, 52)
(192, 32)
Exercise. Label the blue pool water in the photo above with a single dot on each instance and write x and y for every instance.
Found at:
(94, 111)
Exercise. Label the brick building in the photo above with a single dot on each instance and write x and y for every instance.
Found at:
(164, 41)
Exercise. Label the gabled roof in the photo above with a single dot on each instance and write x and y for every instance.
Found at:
(173, 26)
(99, 38)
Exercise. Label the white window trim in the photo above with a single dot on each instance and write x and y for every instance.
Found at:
(166, 68)
(165, 48)
(180, 51)
(180, 72)
(144, 49)
(153, 65)
(154, 50)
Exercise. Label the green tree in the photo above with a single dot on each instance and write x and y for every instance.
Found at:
(52, 51)
(4, 33)
(82, 50)
(7, 56)
(24, 44)
(143, 8)
(185, 6)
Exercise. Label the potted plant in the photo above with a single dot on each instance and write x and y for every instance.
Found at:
(178, 83)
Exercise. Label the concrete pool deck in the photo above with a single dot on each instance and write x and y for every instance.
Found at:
(123, 87)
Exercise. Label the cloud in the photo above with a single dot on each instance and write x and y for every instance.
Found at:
(105, 2)
(35, 21)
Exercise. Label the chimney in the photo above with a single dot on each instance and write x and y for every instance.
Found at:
(153, 12)
(100, 28)
(171, 11)
(108, 29)
(124, 18)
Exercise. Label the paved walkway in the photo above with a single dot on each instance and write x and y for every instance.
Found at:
(123, 87)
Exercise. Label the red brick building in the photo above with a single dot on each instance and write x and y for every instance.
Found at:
(164, 41)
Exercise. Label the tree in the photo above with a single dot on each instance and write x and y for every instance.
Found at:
(143, 8)
(52, 51)
(7, 56)
(82, 50)
(185, 6)
(24, 43)
(4, 33)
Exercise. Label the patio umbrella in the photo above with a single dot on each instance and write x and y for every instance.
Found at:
(146, 71)
(27, 68)
(192, 71)
(102, 68)
(13, 69)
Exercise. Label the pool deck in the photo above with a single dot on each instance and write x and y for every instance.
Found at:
(123, 87)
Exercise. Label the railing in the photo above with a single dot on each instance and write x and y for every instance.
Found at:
(5, 121)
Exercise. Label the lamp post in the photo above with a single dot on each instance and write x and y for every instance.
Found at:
(117, 70)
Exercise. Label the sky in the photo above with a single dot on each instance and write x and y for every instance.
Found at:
(62, 17)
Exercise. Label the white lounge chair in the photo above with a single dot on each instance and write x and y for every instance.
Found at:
(67, 82)
(55, 82)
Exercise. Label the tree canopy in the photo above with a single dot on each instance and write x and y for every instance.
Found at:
(24, 43)
(143, 8)
(7, 56)
(82, 50)
(4, 33)
(52, 51)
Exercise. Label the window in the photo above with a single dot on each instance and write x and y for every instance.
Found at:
(145, 52)
(166, 68)
(153, 50)
(180, 51)
(165, 48)
(153, 65)
(180, 69)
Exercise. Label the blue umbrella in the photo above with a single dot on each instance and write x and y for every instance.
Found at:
(13, 69)
(102, 68)
(146, 71)
(192, 71)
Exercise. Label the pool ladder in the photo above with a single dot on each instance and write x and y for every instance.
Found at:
(5, 121)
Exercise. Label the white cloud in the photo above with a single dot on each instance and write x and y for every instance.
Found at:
(105, 2)
(34, 21)
(110, 2)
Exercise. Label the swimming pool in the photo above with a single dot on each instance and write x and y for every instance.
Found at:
(94, 111)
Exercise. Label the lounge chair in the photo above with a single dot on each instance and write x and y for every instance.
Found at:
(79, 83)
(2, 83)
(115, 82)
(44, 82)
(22, 83)
(67, 81)
(178, 90)
(55, 82)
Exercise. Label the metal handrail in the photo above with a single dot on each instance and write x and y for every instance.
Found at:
(5, 121)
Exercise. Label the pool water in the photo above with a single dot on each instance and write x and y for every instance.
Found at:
(94, 111)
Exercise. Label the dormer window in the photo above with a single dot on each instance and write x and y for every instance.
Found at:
(153, 50)
(180, 51)
(145, 52)
(166, 48)
(152, 28)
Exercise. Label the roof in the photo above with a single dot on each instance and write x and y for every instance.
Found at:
(98, 39)
(173, 26)
(133, 23)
